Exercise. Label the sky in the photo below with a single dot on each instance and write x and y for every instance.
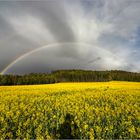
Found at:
(40, 36)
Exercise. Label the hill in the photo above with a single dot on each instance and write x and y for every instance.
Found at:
(69, 76)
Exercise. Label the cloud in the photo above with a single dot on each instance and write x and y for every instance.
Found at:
(31, 28)
(100, 34)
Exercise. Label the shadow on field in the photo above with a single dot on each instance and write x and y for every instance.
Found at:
(69, 129)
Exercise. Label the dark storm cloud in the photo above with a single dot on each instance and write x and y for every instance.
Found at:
(94, 34)
(51, 13)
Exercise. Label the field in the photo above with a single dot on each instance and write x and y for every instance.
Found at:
(71, 110)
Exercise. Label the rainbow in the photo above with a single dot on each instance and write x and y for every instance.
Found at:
(23, 56)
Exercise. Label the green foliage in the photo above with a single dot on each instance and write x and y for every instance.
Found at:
(30, 79)
(69, 76)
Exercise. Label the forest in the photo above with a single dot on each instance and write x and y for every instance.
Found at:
(69, 76)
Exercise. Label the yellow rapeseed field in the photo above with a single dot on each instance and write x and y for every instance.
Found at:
(108, 110)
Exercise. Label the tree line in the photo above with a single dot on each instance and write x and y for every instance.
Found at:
(69, 76)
